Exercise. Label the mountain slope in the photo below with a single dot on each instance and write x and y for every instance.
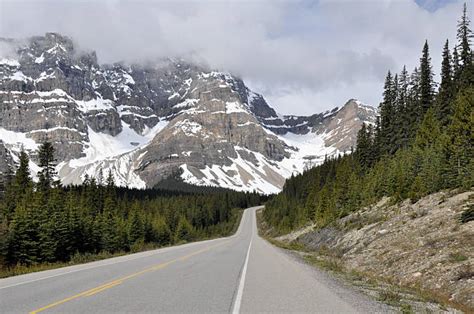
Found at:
(145, 122)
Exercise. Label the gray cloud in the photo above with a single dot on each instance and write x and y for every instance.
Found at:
(305, 56)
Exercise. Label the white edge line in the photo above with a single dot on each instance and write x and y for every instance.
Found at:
(238, 298)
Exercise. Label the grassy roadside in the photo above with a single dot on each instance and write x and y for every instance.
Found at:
(402, 299)
(87, 258)
(76, 259)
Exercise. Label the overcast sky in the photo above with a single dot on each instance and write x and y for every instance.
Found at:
(304, 56)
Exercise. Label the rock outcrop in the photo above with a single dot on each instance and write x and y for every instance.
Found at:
(422, 245)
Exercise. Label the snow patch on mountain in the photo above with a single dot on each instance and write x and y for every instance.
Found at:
(234, 107)
(242, 175)
(16, 141)
(190, 128)
(95, 104)
(40, 59)
(104, 146)
(189, 102)
(117, 154)
(9, 62)
(121, 167)
(310, 151)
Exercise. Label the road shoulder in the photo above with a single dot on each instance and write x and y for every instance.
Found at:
(352, 285)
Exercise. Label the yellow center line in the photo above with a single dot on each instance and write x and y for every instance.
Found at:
(103, 288)
(116, 282)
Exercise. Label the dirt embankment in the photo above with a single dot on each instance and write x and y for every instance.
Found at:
(422, 245)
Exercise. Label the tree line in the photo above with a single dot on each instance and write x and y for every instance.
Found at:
(44, 222)
(422, 142)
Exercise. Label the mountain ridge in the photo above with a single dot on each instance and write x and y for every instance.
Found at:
(145, 122)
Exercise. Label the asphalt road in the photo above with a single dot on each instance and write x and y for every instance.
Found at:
(241, 273)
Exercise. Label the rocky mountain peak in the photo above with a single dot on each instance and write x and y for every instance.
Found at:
(52, 43)
(341, 127)
(144, 122)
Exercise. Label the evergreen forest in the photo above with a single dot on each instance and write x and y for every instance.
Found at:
(43, 222)
(423, 142)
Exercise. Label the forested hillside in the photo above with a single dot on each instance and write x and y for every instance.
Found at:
(423, 142)
(44, 222)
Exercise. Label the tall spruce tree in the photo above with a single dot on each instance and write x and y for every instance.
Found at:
(465, 74)
(387, 115)
(22, 176)
(456, 65)
(464, 35)
(403, 118)
(363, 146)
(47, 163)
(446, 89)
(20, 186)
(426, 83)
(376, 142)
(364, 151)
(413, 103)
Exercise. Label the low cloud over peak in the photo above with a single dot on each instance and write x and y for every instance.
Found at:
(306, 56)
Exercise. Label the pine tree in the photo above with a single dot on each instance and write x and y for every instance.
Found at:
(100, 177)
(396, 122)
(20, 185)
(426, 83)
(109, 233)
(446, 89)
(184, 230)
(464, 35)
(376, 142)
(364, 147)
(22, 176)
(45, 214)
(403, 84)
(60, 223)
(429, 131)
(110, 184)
(47, 163)
(76, 241)
(22, 242)
(162, 231)
(387, 115)
(456, 65)
(136, 226)
(402, 115)
(464, 77)
(413, 103)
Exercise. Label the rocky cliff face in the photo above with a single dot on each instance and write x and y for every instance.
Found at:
(338, 130)
(144, 122)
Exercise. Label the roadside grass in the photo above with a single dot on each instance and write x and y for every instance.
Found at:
(457, 257)
(75, 260)
(331, 264)
(292, 246)
(389, 297)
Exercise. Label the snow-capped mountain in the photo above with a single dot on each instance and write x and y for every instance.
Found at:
(145, 122)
